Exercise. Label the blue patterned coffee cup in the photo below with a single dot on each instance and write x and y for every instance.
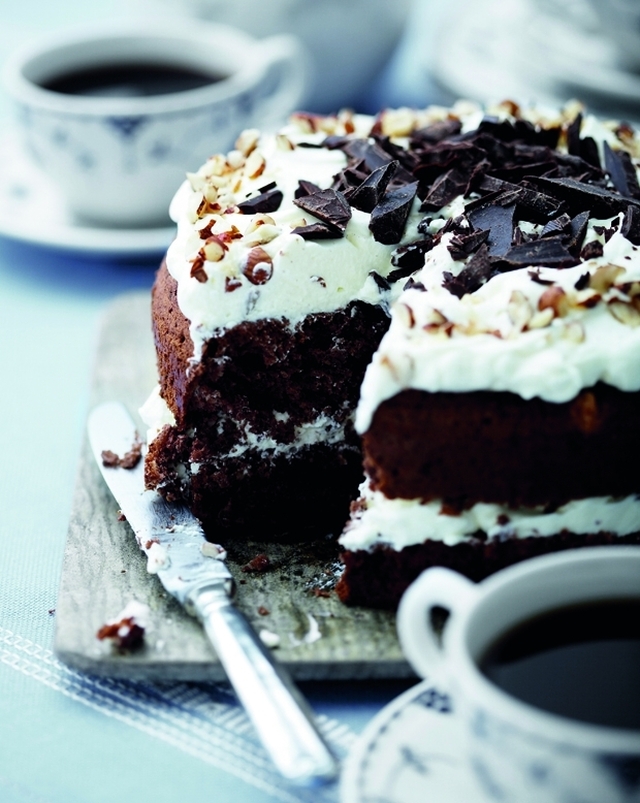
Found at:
(519, 752)
(117, 161)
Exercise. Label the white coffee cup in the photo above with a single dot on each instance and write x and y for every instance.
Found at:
(118, 160)
(519, 752)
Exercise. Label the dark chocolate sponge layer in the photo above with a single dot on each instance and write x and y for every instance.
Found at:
(378, 578)
(487, 446)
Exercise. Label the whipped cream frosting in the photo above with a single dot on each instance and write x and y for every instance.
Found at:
(514, 333)
(499, 339)
(399, 523)
(307, 276)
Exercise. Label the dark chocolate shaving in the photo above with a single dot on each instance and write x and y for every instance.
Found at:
(498, 220)
(389, 217)
(463, 245)
(578, 231)
(559, 225)
(329, 206)
(412, 284)
(621, 172)
(409, 258)
(436, 132)
(582, 281)
(592, 250)
(305, 188)
(549, 252)
(444, 189)
(531, 204)
(474, 274)
(369, 193)
(370, 153)
(265, 202)
(317, 231)
(534, 275)
(580, 197)
(382, 283)
(584, 148)
(631, 225)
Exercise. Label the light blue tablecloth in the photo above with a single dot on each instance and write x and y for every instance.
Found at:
(65, 738)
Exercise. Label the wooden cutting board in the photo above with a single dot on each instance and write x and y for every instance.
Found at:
(103, 569)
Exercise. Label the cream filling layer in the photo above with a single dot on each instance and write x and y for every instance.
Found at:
(156, 414)
(399, 523)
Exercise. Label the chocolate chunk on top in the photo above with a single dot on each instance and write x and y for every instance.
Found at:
(389, 217)
(621, 172)
(369, 193)
(444, 189)
(548, 252)
(305, 188)
(474, 274)
(498, 220)
(268, 201)
(580, 196)
(317, 231)
(329, 206)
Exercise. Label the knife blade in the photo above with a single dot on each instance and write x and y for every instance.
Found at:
(173, 540)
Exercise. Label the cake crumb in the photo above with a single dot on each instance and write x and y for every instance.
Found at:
(126, 631)
(129, 460)
(258, 564)
(263, 611)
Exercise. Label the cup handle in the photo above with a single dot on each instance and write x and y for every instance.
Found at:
(284, 56)
(421, 643)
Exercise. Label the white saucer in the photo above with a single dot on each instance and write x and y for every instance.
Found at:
(32, 211)
(411, 753)
(513, 50)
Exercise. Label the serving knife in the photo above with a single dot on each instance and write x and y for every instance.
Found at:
(173, 541)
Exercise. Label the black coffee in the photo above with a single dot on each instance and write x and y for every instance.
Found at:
(582, 662)
(130, 80)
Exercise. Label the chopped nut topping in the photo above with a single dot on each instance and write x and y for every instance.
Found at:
(263, 234)
(555, 298)
(283, 143)
(257, 221)
(405, 315)
(541, 319)
(255, 164)
(248, 141)
(625, 313)
(231, 283)
(604, 277)
(519, 310)
(586, 298)
(398, 122)
(259, 266)
(214, 249)
(206, 208)
(197, 270)
(235, 159)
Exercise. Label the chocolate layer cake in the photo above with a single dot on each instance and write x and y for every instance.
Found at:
(499, 414)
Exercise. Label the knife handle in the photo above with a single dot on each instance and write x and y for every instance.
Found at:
(280, 715)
